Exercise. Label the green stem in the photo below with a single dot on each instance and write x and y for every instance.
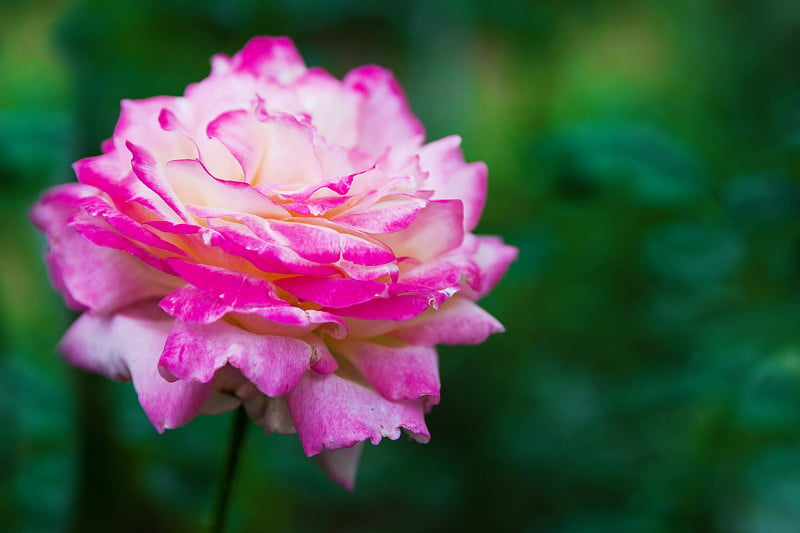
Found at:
(238, 431)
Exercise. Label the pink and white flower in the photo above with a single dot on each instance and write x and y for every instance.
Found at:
(280, 239)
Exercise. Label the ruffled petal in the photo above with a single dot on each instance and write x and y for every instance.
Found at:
(274, 364)
(398, 371)
(437, 229)
(330, 412)
(151, 174)
(272, 57)
(276, 151)
(398, 308)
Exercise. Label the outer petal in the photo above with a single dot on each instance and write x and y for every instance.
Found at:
(330, 412)
(127, 345)
(493, 257)
(437, 229)
(385, 119)
(457, 321)
(90, 276)
(274, 364)
(112, 174)
(274, 57)
(139, 124)
(391, 214)
(451, 178)
(398, 372)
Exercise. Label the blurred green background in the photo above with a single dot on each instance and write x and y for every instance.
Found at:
(645, 158)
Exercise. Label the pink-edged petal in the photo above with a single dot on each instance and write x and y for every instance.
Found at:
(457, 321)
(293, 322)
(276, 150)
(332, 292)
(338, 184)
(341, 465)
(493, 257)
(127, 345)
(140, 125)
(331, 412)
(196, 187)
(112, 174)
(266, 256)
(99, 232)
(398, 372)
(126, 226)
(343, 292)
(238, 290)
(399, 308)
(451, 178)
(385, 118)
(436, 230)
(392, 213)
(369, 273)
(320, 241)
(332, 107)
(194, 306)
(274, 364)
(274, 57)
(316, 206)
(90, 276)
(150, 172)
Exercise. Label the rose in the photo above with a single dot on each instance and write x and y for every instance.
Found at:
(279, 239)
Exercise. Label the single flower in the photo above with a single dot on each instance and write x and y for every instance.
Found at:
(280, 239)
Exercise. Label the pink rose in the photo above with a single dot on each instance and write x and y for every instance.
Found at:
(277, 238)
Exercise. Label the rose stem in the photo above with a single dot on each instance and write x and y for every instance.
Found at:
(238, 431)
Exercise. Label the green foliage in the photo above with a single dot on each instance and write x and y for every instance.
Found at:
(644, 158)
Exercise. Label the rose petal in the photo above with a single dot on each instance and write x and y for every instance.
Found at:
(399, 308)
(274, 364)
(112, 174)
(127, 345)
(391, 214)
(276, 150)
(452, 179)
(398, 372)
(196, 187)
(330, 412)
(436, 230)
(457, 321)
(274, 57)
(385, 119)
(149, 171)
(89, 276)
(493, 257)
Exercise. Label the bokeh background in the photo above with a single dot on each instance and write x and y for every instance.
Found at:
(645, 158)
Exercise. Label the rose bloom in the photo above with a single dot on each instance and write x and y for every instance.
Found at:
(280, 239)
